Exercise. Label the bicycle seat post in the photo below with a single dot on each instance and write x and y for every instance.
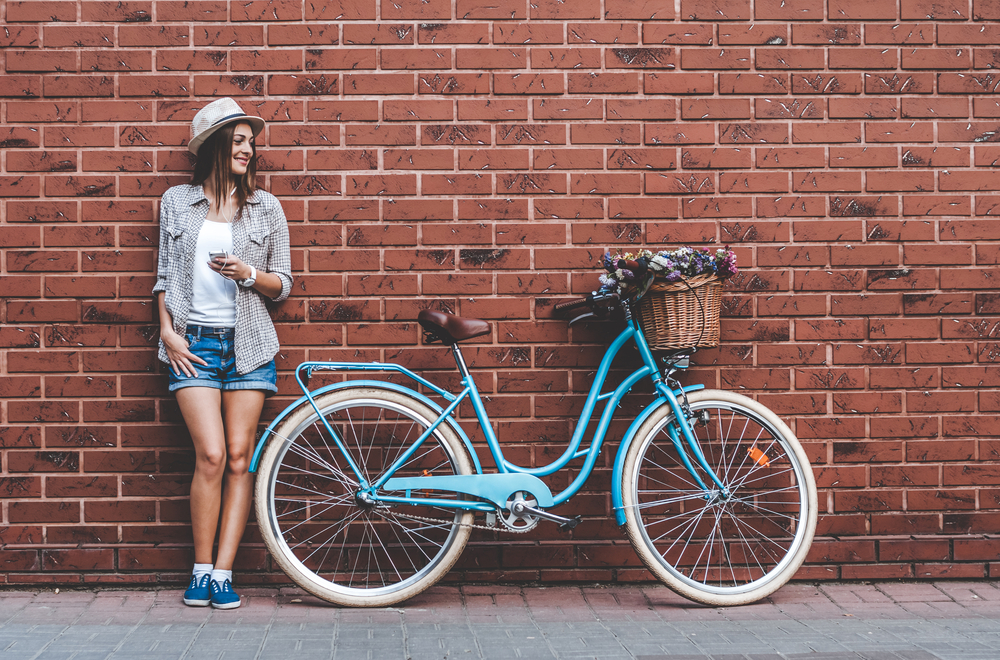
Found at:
(460, 362)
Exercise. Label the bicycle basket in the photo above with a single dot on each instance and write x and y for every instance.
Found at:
(682, 314)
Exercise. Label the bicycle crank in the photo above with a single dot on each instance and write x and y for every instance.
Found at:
(522, 509)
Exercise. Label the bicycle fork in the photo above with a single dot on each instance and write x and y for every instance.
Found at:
(684, 425)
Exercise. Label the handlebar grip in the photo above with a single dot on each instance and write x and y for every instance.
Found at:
(629, 264)
(579, 302)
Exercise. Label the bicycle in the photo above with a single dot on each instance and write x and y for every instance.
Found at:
(369, 490)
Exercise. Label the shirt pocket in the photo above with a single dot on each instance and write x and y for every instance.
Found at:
(257, 247)
(177, 232)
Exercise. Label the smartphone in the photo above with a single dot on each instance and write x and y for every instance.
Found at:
(215, 254)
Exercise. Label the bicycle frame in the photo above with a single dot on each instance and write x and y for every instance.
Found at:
(489, 486)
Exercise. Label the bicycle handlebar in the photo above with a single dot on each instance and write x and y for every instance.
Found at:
(591, 300)
(571, 304)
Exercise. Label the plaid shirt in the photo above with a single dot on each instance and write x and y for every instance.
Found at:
(260, 239)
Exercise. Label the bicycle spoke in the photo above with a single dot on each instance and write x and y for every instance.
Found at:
(669, 500)
(746, 544)
(342, 526)
(288, 484)
(312, 454)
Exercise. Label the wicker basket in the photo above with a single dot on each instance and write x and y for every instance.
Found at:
(682, 314)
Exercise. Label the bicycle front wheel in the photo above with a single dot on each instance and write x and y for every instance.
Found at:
(336, 545)
(716, 549)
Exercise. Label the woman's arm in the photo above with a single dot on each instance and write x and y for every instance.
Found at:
(163, 247)
(178, 352)
(279, 259)
(236, 269)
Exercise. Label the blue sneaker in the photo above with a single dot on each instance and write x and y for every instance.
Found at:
(198, 593)
(223, 596)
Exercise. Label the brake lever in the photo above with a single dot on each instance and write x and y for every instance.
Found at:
(581, 317)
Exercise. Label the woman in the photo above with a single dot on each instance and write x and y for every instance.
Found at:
(215, 331)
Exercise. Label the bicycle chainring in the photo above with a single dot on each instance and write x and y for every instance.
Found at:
(519, 522)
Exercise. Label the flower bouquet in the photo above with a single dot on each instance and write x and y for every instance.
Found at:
(679, 292)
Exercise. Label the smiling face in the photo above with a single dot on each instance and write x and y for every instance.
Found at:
(243, 149)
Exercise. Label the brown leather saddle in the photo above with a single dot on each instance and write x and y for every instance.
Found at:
(448, 328)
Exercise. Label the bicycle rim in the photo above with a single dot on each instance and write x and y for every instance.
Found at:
(715, 549)
(330, 542)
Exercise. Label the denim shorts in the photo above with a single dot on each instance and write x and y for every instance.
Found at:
(216, 347)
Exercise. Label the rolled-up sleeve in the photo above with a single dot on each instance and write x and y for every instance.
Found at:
(279, 258)
(164, 248)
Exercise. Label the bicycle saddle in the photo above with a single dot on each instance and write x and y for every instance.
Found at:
(448, 328)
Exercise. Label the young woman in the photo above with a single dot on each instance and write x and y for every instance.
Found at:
(223, 253)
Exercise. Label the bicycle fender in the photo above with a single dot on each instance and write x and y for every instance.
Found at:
(616, 475)
(377, 384)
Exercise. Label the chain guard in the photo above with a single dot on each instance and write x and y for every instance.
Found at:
(509, 521)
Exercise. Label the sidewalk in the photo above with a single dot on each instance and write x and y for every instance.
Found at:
(828, 621)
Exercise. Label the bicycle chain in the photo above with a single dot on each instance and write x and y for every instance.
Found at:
(495, 528)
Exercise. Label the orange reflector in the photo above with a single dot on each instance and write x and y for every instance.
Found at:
(426, 473)
(758, 456)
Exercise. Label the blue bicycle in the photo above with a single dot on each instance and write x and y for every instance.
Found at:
(368, 490)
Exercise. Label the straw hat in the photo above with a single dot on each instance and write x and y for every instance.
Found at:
(214, 116)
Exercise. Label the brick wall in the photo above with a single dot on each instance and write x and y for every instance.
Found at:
(478, 156)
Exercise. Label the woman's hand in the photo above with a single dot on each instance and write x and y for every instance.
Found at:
(230, 267)
(179, 353)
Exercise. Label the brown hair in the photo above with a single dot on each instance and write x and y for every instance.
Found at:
(215, 161)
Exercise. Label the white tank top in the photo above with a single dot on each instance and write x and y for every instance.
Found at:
(213, 301)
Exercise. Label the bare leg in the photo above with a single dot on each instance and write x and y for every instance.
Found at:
(241, 411)
(202, 411)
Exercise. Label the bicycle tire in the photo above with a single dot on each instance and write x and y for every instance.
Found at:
(748, 547)
(328, 541)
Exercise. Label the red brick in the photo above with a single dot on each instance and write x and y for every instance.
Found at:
(963, 83)
(949, 10)
(851, 108)
(894, 83)
(967, 180)
(41, 11)
(139, 36)
(33, 60)
(20, 86)
(855, 9)
(958, 34)
(20, 36)
(826, 83)
(47, 512)
(267, 10)
(936, 58)
(724, 59)
(811, 133)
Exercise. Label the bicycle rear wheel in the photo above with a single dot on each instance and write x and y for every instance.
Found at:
(333, 544)
(720, 550)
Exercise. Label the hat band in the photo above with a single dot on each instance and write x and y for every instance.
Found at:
(227, 118)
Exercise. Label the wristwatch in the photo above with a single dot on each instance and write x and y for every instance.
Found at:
(250, 281)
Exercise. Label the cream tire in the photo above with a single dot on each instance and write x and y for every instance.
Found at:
(330, 543)
(719, 551)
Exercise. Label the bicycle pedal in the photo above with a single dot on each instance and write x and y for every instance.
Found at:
(571, 523)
